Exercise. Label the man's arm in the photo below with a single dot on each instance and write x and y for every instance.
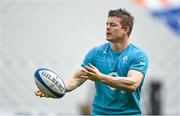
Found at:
(71, 82)
(129, 83)
(74, 80)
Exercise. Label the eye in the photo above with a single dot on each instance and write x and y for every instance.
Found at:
(113, 24)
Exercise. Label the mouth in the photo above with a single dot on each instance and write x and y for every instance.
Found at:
(108, 34)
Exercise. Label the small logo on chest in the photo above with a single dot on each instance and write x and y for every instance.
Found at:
(125, 59)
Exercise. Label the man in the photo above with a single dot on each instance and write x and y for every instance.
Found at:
(118, 69)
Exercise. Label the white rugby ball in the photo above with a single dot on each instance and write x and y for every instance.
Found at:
(50, 83)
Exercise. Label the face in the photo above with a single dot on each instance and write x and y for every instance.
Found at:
(114, 30)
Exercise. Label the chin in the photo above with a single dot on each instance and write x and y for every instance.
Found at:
(109, 39)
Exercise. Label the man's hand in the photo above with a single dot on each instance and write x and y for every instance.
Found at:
(39, 93)
(91, 73)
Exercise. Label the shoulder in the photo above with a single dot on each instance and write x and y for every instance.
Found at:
(100, 48)
(97, 50)
(137, 55)
(136, 51)
(94, 53)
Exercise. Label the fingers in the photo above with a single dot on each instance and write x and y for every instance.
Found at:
(89, 69)
(90, 65)
(88, 72)
(84, 71)
(85, 77)
(40, 94)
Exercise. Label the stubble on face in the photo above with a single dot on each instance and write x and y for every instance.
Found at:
(114, 31)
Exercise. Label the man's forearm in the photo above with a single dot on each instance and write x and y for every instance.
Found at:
(73, 83)
(122, 83)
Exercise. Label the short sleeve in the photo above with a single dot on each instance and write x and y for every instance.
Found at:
(88, 58)
(140, 63)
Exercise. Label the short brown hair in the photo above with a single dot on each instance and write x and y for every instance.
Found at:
(126, 18)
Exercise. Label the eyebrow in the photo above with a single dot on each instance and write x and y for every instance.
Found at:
(110, 23)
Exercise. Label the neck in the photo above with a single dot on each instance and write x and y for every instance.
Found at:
(119, 46)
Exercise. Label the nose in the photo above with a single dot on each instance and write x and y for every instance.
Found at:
(107, 27)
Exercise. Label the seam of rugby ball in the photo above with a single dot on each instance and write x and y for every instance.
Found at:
(44, 84)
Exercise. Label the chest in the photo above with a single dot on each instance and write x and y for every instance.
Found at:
(108, 63)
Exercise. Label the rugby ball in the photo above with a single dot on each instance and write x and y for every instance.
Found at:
(50, 83)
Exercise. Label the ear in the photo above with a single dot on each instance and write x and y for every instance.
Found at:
(126, 30)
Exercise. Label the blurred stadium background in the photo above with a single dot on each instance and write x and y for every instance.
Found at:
(57, 34)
